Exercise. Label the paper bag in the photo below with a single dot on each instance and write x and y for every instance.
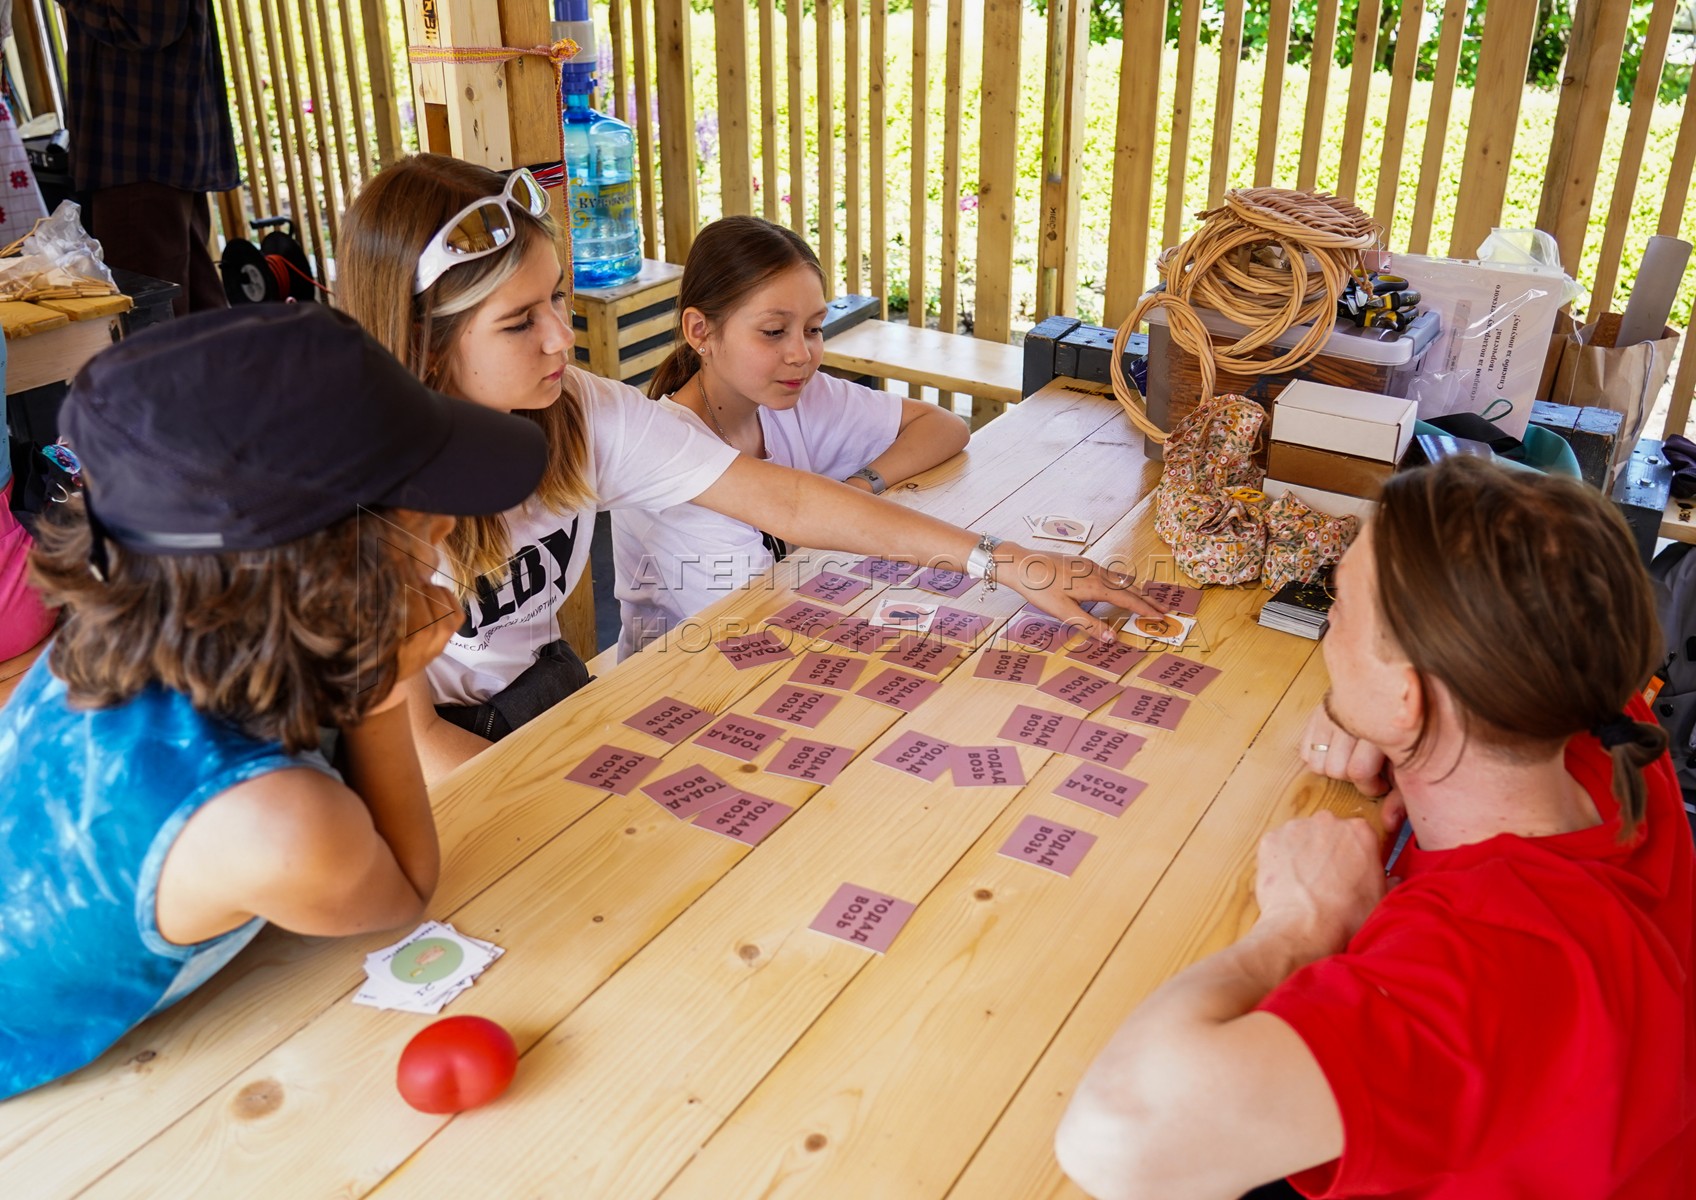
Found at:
(1584, 369)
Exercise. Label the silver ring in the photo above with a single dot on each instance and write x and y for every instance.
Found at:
(1318, 747)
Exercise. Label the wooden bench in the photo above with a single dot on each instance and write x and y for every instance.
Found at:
(989, 372)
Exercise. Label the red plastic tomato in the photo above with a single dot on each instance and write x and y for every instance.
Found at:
(456, 1064)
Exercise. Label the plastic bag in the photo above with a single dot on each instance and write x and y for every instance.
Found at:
(60, 260)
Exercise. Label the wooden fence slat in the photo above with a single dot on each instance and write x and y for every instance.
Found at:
(645, 129)
(992, 306)
(949, 280)
(479, 127)
(875, 83)
(826, 147)
(355, 91)
(1395, 128)
(1272, 90)
(615, 42)
(1225, 101)
(768, 108)
(854, 194)
(1437, 124)
(1062, 136)
(1076, 127)
(326, 168)
(1581, 124)
(531, 93)
(251, 37)
(333, 80)
(921, 156)
(303, 203)
(1502, 58)
(1678, 412)
(1678, 174)
(1318, 84)
(1137, 128)
(797, 147)
(1360, 95)
(736, 169)
(677, 126)
(379, 66)
(245, 110)
(1183, 107)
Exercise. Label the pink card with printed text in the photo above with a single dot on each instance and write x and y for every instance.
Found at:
(1036, 630)
(828, 670)
(882, 570)
(987, 766)
(810, 762)
(1011, 666)
(613, 769)
(1101, 789)
(1158, 710)
(745, 818)
(863, 916)
(754, 649)
(798, 706)
(688, 791)
(1049, 845)
(918, 754)
(832, 588)
(1040, 728)
(669, 720)
(804, 618)
(855, 633)
(899, 689)
(740, 737)
(1104, 745)
(943, 582)
(1173, 597)
(1113, 657)
(1179, 673)
(958, 625)
(919, 653)
(1084, 688)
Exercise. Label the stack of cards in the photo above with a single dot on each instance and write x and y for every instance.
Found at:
(424, 970)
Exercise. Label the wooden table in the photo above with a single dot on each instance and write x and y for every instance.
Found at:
(50, 340)
(684, 1033)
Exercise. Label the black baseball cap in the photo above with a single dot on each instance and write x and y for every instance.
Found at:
(249, 427)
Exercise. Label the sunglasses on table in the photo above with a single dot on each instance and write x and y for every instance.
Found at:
(480, 228)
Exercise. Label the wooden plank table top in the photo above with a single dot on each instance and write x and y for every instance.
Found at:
(947, 361)
(683, 1032)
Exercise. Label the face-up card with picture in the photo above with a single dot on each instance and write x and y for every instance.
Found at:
(1101, 789)
(669, 720)
(1059, 527)
(1179, 673)
(943, 582)
(988, 766)
(425, 970)
(863, 916)
(745, 818)
(1084, 688)
(740, 737)
(613, 769)
(958, 625)
(1036, 630)
(832, 588)
(1104, 745)
(903, 613)
(899, 690)
(1173, 597)
(754, 649)
(881, 570)
(919, 653)
(804, 618)
(1113, 657)
(798, 706)
(810, 762)
(1171, 629)
(918, 754)
(1040, 728)
(1049, 845)
(828, 670)
(686, 792)
(1158, 710)
(1011, 666)
(853, 633)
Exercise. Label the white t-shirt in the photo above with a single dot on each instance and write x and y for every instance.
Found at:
(640, 456)
(672, 564)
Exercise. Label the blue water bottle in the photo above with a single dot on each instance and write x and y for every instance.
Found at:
(600, 154)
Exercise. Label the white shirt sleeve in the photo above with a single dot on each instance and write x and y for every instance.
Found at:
(835, 428)
(645, 456)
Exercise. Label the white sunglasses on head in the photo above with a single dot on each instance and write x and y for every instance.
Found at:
(480, 228)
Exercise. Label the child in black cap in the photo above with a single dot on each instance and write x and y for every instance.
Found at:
(250, 561)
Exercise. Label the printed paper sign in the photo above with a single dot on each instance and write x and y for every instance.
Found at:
(1036, 630)
(1040, 728)
(1179, 673)
(1011, 666)
(754, 649)
(899, 690)
(739, 737)
(944, 583)
(832, 588)
(1098, 788)
(958, 625)
(689, 791)
(881, 570)
(1084, 688)
(1155, 709)
(808, 620)
(613, 769)
(1173, 597)
(1104, 745)
(987, 766)
(828, 670)
(853, 633)
(1113, 657)
(923, 654)
(798, 706)
(1171, 629)
(917, 754)
(811, 762)
(669, 720)
(745, 818)
(1049, 845)
(863, 916)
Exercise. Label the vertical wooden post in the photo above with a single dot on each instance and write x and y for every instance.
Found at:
(305, 190)
(677, 126)
(1678, 174)
(315, 87)
(1360, 95)
(1502, 58)
(1225, 101)
(355, 92)
(768, 108)
(948, 281)
(1183, 107)
(1437, 124)
(1395, 130)
(1272, 90)
(921, 155)
(645, 129)
(736, 168)
(1133, 159)
(475, 93)
(531, 89)
(333, 86)
(248, 111)
(1077, 100)
(826, 146)
(615, 39)
(797, 126)
(379, 63)
(1318, 83)
(1062, 138)
(855, 195)
(879, 281)
(998, 176)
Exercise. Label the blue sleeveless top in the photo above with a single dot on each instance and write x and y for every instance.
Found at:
(91, 801)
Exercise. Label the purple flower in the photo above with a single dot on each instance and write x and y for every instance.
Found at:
(706, 134)
(603, 60)
(968, 202)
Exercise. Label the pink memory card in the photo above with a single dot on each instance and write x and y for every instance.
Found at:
(1040, 728)
(958, 625)
(808, 620)
(828, 670)
(987, 766)
(899, 690)
(669, 720)
(613, 770)
(863, 916)
(1113, 657)
(1098, 788)
(919, 754)
(832, 588)
(1179, 673)
(810, 762)
(798, 706)
(1104, 745)
(1173, 597)
(1035, 630)
(740, 737)
(754, 649)
(855, 633)
(745, 818)
(1084, 688)
(688, 791)
(943, 582)
(1158, 710)
(881, 570)
(1011, 666)
(919, 653)
(1048, 844)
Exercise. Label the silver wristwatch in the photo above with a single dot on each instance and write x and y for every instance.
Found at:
(879, 486)
(980, 563)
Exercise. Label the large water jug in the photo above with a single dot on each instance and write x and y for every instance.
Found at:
(600, 157)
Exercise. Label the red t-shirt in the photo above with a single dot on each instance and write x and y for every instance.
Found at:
(1517, 1019)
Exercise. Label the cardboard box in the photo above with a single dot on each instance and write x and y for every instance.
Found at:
(1327, 470)
(1333, 504)
(1344, 420)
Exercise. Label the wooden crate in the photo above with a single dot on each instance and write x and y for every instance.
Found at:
(626, 332)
